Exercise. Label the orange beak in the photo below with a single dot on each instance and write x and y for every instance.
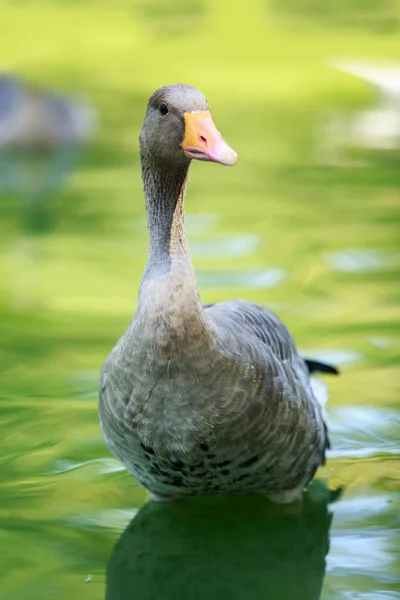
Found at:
(203, 141)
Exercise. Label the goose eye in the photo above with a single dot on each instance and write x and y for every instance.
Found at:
(163, 108)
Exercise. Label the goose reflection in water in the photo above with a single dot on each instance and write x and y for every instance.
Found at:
(223, 548)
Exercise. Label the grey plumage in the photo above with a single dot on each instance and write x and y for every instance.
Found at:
(193, 399)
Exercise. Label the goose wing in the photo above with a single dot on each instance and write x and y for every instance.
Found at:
(272, 352)
(267, 327)
(258, 322)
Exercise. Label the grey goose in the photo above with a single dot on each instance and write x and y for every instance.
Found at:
(203, 399)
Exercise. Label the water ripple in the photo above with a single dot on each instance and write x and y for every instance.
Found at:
(106, 465)
(361, 261)
(359, 431)
(250, 279)
(110, 519)
(225, 247)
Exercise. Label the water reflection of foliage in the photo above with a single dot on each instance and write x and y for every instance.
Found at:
(380, 16)
(171, 17)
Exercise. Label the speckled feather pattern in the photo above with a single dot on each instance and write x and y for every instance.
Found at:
(203, 400)
(232, 415)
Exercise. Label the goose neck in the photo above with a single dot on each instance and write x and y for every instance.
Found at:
(164, 189)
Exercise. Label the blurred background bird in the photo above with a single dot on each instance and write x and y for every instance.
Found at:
(41, 134)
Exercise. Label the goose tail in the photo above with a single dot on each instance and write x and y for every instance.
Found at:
(314, 366)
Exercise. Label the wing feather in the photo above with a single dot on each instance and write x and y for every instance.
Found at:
(287, 388)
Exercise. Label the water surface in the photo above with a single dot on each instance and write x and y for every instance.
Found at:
(317, 243)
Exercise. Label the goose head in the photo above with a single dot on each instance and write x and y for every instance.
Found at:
(178, 127)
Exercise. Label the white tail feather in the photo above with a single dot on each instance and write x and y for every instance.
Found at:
(320, 391)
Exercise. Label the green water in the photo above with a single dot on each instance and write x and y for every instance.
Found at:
(317, 243)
